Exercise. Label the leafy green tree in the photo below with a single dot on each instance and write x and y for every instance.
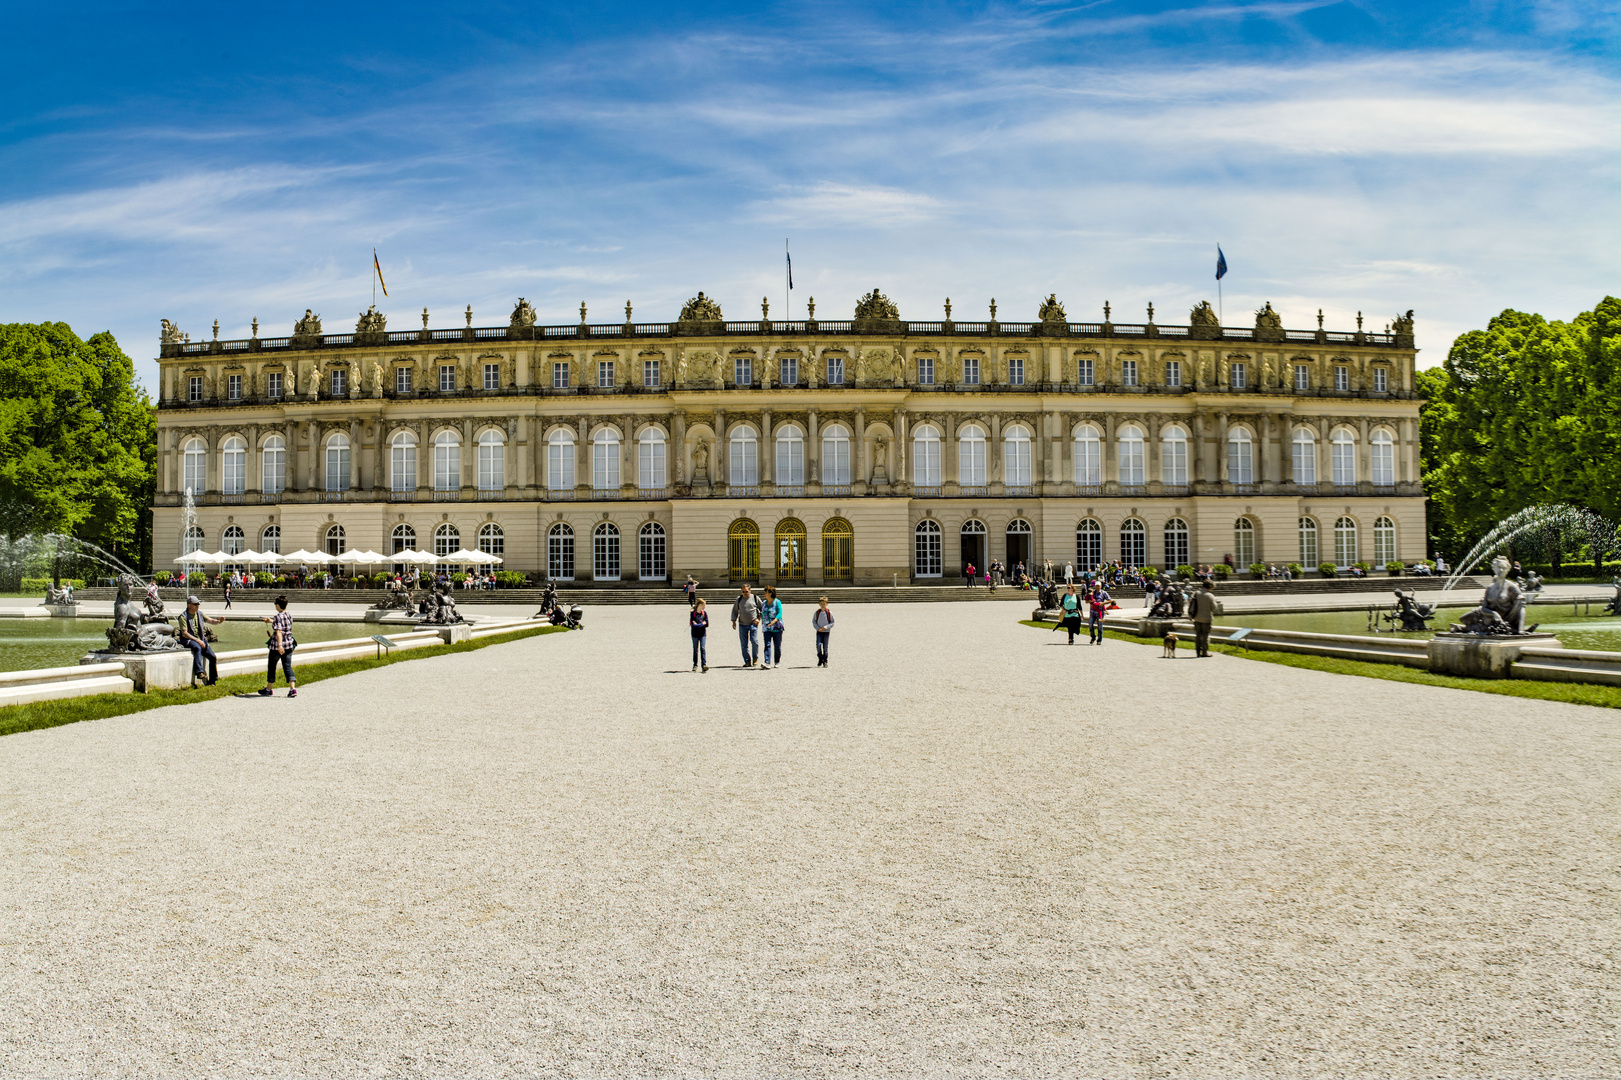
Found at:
(77, 442)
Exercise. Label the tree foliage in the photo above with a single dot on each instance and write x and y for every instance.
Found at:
(1523, 413)
(77, 442)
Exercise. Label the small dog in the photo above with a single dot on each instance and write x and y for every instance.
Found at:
(1170, 647)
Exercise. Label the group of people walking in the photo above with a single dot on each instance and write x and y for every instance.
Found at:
(752, 618)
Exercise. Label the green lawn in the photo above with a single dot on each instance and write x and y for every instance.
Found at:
(1608, 697)
(45, 714)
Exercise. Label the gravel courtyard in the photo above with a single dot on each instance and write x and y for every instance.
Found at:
(964, 849)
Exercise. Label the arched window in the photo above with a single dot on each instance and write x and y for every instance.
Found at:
(605, 552)
(1383, 463)
(790, 550)
(447, 461)
(1384, 541)
(560, 553)
(790, 456)
(1088, 456)
(1088, 545)
(651, 470)
(1344, 542)
(335, 540)
(270, 539)
(403, 538)
(1305, 456)
(1342, 450)
(233, 540)
(1308, 543)
(1018, 539)
(1243, 542)
(194, 472)
(971, 544)
(926, 456)
(560, 469)
(492, 539)
(744, 470)
(233, 465)
(838, 555)
(402, 462)
(971, 456)
(1130, 443)
(273, 466)
(651, 549)
(1240, 456)
(447, 540)
(605, 460)
(337, 463)
(1176, 544)
(492, 461)
(1173, 457)
(743, 550)
(1016, 456)
(1133, 543)
(926, 557)
(836, 455)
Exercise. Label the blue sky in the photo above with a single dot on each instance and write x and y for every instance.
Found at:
(198, 163)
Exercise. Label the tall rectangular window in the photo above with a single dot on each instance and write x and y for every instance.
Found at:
(835, 371)
(560, 466)
(650, 374)
(492, 376)
(1128, 373)
(273, 468)
(790, 371)
(1173, 373)
(925, 371)
(560, 376)
(743, 370)
(1381, 380)
(233, 387)
(650, 468)
(1342, 377)
(1240, 375)
(340, 383)
(402, 380)
(970, 370)
(1302, 377)
(194, 388)
(1083, 365)
(447, 378)
(273, 384)
(604, 465)
(605, 374)
(1015, 371)
(337, 466)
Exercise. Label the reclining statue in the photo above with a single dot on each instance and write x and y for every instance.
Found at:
(397, 599)
(1502, 610)
(1412, 615)
(134, 630)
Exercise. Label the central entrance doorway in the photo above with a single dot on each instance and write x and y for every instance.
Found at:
(1018, 546)
(973, 545)
(743, 550)
(790, 550)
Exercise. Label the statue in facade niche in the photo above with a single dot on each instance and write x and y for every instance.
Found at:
(1052, 311)
(170, 335)
(315, 379)
(308, 326)
(700, 463)
(875, 305)
(700, 309)
(1203, 323)
(523, 315)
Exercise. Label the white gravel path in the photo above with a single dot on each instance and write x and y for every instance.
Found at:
(965, 849)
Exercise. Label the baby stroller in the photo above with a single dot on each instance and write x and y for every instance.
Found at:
(570, 619)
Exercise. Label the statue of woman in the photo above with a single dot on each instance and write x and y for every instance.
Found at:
(1502, 610)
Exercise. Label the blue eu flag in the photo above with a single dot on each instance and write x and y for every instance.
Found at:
(1221, 264)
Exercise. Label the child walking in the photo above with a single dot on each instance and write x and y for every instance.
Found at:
(699, 619)
(822, 623)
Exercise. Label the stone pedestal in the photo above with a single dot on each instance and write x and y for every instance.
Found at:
(1155, 628)
(63, 611)
(1047, 615)
(453, 633)
(151, 670)
(395, 615)
(1480, 656)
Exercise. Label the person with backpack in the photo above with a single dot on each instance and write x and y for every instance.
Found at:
(822, 623)
(1205, 608)
(281, 645)
(698, 618)
(771, 618)
(746, 620)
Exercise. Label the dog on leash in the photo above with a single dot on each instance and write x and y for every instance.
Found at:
(1170, 647)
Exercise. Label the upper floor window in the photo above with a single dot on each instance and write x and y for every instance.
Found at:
(744, 467)
(925, 371)
(273, 384)
(447, 461)
(1130, 446)
(1342, 450)
(560, 461)
(1173, 455)
(605, 374)
(970, 370)
(1342, 377)
(1083, 370)
(560, 375)
(195, 466)
(337, 463)
(605, 460)
(492, 376)
(1240, 374)
(1173, 373)
(835, 454)
(1381, 380)
(1128, 373)
(447, 378)
(1305, 457)
(835, 371)
(402, 462)
(194, 388)
(1302, 377)
(233, 387)
(1240, 456)
(743, 370)
(402, 380)
(1015, 371)
(650, 374)
(1088, 456)
(650, 460)
(492, 461)
(926, 456)
(790, 456)
(1383, 459)
(273, 468)
(790, 370)
(971, 456)
(340, 382)
(1016, 456)
(233, 465)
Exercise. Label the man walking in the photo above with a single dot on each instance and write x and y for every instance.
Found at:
(1204, 611)
(746, 621)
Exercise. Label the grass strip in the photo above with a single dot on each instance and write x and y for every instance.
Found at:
(1605, 697)
(47, 714)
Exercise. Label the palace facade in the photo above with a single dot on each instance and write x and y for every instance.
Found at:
(864, 451)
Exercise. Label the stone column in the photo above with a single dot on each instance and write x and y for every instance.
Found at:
(720, 468)
(1066, 447)
(948, 448)
(424, 434)
(1222, 464)
(379, 456)
(1325, 454)
(627, 451)
(469, 455)
(678, 447)
(902, 439)
(1111, 456)
(1153, 467)
(767, 448)
(813, 449)
(510, 469)
(354, 455)
(255, 463)
(1364, 453)
(315, 457)
(994, 473)
(582, 454)
(858, 449)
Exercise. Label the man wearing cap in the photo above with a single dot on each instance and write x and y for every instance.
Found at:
(195, 635)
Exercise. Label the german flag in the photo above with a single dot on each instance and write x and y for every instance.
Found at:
(379, 268)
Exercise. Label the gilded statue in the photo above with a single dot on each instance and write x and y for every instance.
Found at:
(308, 326)
(523, 314)
(700, 309)
(875, 305)
(171, 334)
(1052, 311)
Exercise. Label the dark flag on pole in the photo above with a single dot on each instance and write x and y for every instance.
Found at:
(1221, 264)
(790, 269)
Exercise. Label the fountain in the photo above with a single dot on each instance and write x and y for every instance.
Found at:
(144, 641)
(1553, 521)
(1485, 642)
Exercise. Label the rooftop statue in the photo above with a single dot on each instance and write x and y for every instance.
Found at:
(371, 323)
(523, 314)
(170, 334)
(1403, 324)
(1203, 318)
(1052, 311)
(700, 309)
(875, 305)
(1268, 324)
(308, 326)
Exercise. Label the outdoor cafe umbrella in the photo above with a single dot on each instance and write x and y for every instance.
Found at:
(369, 558)
(309, 556)
(412, 555)
(204, 558)
(482, 558)
(467, 558)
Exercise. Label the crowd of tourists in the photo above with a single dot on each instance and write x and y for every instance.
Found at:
(755, 618)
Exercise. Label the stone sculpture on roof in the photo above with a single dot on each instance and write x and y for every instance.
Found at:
(700, 309)
(171, 334)
(523, 314)
(1268, 324)
(875, 305)
(1202, 322)
(1052, 311)
(308, 326)
(371, 325)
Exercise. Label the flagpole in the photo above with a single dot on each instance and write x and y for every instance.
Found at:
(1221, 308)
(788, 282)
(373, 277)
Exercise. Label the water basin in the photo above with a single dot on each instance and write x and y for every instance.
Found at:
(1574, 631)
(27, 644)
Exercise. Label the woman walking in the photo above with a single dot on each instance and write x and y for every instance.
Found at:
(700, 635)
(281, 646)
(771, 620)
(822, 623)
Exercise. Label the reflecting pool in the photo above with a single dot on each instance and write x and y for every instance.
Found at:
(44, 643)
(1573, 631)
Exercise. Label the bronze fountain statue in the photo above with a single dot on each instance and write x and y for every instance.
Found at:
(1502, 610)
(135, 630)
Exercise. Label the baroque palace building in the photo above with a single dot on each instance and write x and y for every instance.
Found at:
(864, 451)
